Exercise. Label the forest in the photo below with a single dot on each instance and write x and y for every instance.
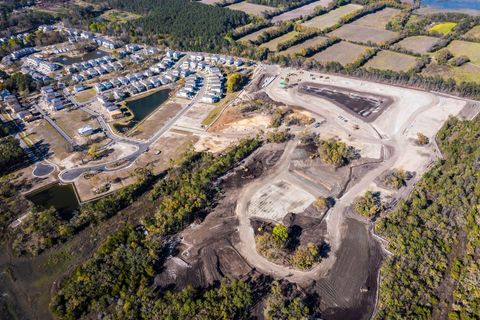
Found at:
(11, 155)
(181, 24)
(133, 255)
(435, 236)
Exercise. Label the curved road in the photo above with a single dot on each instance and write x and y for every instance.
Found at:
(335, 216)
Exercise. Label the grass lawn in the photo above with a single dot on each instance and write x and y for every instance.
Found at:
(443, 28)
(86, 95)
(213, 115)
(119, 16)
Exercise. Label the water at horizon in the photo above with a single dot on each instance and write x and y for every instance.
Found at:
(452, 4)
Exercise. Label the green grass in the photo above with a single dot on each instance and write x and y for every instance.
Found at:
(212, 115)
(443, 28)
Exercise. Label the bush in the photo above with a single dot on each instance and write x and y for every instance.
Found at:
(368, 205)
(306, 256)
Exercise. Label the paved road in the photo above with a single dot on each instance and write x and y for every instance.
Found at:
(69, 175)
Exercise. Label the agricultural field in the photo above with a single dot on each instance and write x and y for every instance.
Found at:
(443, 28)
(307, 44)
(357, 33)
(468, 72)
(251, 8)
(302, 11)
(210, 1)
(474, 33)
(389, 60)
(254, 36)
(331, 18)
(418, 44)
(119, 16)
(272, 44)
(378, 19)
(465, 48)
(342, 52)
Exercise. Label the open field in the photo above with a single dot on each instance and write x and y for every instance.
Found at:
(364, 34)
(465, 48)
(119, 16)
(443, 28)
(251, 8)
(254, 36)
(156, 120)
(418, 44)
(342, 52)
(86, 95)
(389, 60)
(331, 18)
(474, 33)
(378, 19)
(272, 44)
(210, 1)
(70, 120)
(302, 11)
(468, 72)
(307, 44)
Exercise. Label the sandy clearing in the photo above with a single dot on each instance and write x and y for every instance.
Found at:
(250, 8)
(302, 11)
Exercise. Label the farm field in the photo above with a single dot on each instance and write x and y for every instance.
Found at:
(254, 36)
(378, 19)
(272, 44)
(342, 52)
(363, 34)
(210, 1)
(468, 72)
(389, 60)
(418, 44)
(251, 8)
(302, 11)
(307, 44)
(443, 28)
(474, 33)
(469, 49)
(331, 18)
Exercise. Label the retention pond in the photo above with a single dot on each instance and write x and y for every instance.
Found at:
(62, 197)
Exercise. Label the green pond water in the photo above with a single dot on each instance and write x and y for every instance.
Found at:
(61, 197)
(144, 106)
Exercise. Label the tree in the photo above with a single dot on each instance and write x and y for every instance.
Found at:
(306, 256)
(92, 152)
(321, 203)
(368, 205)
(443, 56)
(234, 82)
(334, 152)
(422, 139)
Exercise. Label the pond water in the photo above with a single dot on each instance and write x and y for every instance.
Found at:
(144, 106)
(61, 197)
(453, 4)
(65, 60)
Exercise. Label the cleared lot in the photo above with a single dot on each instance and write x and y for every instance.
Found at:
(364, 34)
(272, 44)
(418, 44)
(469, 49)
(307, 44)
(342, 52)
(468, 72)
(210, 1)
(389, 60)
(331, 18)
(251, 8)
(302, 11)
(274, 201)
(378, 19)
